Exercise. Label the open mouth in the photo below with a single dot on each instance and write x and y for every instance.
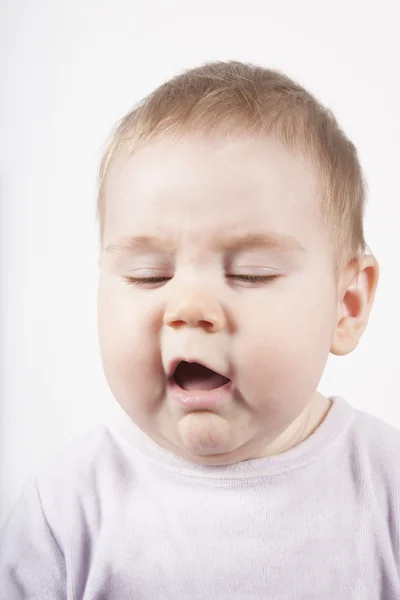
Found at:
(194, 376)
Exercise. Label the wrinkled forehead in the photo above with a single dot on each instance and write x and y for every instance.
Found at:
(204, 186)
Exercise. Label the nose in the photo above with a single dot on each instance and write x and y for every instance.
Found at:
(195, 309)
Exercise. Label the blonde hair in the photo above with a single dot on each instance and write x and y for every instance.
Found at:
(236, 98)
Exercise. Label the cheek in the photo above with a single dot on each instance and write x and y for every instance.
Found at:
(285, 345)
(128, 340)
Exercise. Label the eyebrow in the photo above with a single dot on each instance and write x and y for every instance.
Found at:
(275, 241)
(131, 244)
(128, 245)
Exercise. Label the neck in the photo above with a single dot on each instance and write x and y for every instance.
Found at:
(305, 424)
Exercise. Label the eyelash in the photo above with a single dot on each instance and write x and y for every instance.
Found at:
(139, 281)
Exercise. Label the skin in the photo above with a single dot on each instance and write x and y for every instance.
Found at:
(196, 197)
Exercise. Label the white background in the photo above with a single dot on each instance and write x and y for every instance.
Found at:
(69, 70)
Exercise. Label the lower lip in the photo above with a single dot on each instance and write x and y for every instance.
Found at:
(200, 398)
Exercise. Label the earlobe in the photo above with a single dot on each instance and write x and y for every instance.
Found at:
(357, 287)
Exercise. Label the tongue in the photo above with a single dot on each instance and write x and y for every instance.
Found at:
(193, 376)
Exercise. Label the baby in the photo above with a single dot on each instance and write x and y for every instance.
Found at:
(232, 262)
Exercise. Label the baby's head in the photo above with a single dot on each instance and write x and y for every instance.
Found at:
(231, 224)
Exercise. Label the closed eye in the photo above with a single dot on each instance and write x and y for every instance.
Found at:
(254, 278)
(146, 280)
(142, 281)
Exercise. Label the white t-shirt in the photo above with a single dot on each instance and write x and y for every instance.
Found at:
(114, 516)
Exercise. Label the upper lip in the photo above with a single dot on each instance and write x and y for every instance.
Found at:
(172, 366)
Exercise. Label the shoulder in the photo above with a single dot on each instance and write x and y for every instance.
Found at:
(82, 457)
(88, 460)
(375, 448)
(84, 476)
(377, 435)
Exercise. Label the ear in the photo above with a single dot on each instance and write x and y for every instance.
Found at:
(356, 288)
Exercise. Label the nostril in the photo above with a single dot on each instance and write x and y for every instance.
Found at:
(178, 323)
(208, 320)
(207, 325)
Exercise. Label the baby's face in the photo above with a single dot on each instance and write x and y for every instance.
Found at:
(214, 255)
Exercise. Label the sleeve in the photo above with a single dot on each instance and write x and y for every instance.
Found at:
(32, 564)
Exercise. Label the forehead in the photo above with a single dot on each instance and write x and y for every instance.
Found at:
(199, 187)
